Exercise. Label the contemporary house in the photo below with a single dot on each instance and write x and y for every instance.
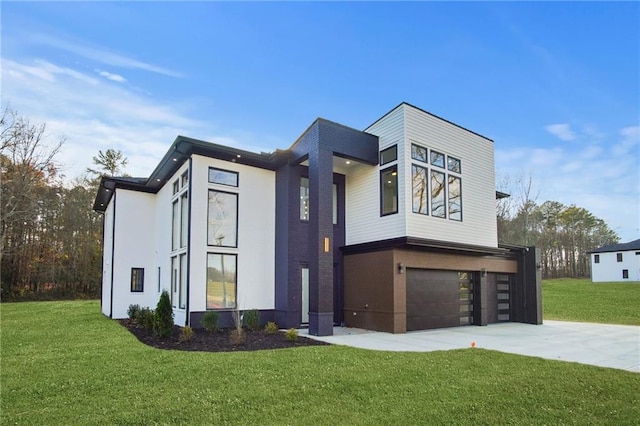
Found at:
(390, 228)
(616, 262)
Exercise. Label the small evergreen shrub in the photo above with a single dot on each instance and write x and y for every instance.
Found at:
(238, 337)
(186, 334)
(132, 312)
(210, 321)
(252, 319)
(163, 324)
(271, 328)
(146, 318)
(291, 334)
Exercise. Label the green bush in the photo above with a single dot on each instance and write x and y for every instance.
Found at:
(163, 324)
(146, 318)
(252, 319)
(291, 334)
(186, 334)
(210, 321)
(132, 312)
(271, 327)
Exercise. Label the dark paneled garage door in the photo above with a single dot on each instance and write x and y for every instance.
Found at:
(437, 299)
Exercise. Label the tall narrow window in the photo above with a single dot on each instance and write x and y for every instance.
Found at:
(159, 280)
(221, 281)
(184, 219)
(437, 194)
(625, 273)
(596, 258)
(175, 226)
(304, 198)
(455, 198)
(183, 281)
(335, 204)
(420, 189)
(389, 191)
(137, 280)
(619, 257)
(388, 155)
(222, 226)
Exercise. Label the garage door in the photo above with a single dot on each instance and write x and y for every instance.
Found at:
(437, 299)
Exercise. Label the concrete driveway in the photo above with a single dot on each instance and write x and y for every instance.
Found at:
(604, 345)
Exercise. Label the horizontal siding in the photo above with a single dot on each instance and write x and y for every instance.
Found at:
(363, 220)
(478, 226)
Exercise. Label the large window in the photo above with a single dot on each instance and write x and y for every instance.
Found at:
(437, 194)
(420, 189)
(221, 281)
(222, 224)
(137, 280)
(389, 191)
(223, 177)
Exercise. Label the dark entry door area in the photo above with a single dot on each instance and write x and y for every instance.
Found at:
(437, 299)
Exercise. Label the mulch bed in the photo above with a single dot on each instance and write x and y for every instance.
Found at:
(220, 341)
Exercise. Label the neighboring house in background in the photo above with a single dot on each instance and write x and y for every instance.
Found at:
(616, 262)
(392, 228)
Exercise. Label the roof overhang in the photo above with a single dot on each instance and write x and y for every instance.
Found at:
(423, 244)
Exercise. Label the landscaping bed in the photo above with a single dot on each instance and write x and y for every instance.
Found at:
(218, 341)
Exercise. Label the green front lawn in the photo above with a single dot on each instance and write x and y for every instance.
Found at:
(64, 363)
(571, 299)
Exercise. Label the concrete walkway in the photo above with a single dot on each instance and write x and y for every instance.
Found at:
(604, 345)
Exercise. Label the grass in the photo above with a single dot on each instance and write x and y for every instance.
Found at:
(571, 299)
(64, 363)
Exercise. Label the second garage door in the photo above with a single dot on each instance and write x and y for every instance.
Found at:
(437, 299)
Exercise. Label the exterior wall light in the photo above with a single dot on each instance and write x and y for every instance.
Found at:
(401, 268)
(483, 271)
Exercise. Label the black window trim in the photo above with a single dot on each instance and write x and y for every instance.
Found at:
(392, 168)
(395, 147)
(237, 217)
(426, 150)
(138, 286)
(428, 194)
(226, 171)
(206, 308)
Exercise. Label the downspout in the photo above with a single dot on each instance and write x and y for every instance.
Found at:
(113, 250)
(102, 261)
(190, 173)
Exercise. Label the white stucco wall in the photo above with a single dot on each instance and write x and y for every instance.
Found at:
(256, 234)
(610, 270)
(134, 247)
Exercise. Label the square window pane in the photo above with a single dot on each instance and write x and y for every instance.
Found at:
(437, 194)
(453, 164)
(221, 281)
(437, 159)
(419, 153)
(223, 177)
(388, 155)
(389, 191)
(420, 189)
(222, 225)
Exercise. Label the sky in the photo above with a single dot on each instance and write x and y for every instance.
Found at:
(555, 85)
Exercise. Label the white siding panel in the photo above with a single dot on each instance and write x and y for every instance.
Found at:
(363, 220)
(479, 225)
(610, 270)
(256, 234)
(134, 248)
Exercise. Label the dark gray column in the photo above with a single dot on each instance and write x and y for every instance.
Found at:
(480, 314)
(320, 242)
(533, 290)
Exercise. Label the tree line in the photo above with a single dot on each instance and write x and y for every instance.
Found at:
(564, 234)
(50, 237)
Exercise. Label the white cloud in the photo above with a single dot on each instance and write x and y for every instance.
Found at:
(561, 130)
(100, 54)
(113, 77)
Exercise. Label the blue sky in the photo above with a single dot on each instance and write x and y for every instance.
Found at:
(555, 85)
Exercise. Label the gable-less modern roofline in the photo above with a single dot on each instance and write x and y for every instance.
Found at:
(631, 245)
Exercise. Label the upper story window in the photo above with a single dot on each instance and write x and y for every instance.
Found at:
(437, 187)
(388, 155)
(596, 258)
(176, 187)
(619, 257)
(304, 200)
(222, 221)
(184, 180)
(389, 191)
(223, 177)
(180, 213)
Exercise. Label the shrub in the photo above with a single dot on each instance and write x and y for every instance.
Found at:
(210, 321)
(291, 334)
(238, 337)
(132, 312)
(186, 334)
(163, 324)
(252, 319)
(146, 318)
(271, 327)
